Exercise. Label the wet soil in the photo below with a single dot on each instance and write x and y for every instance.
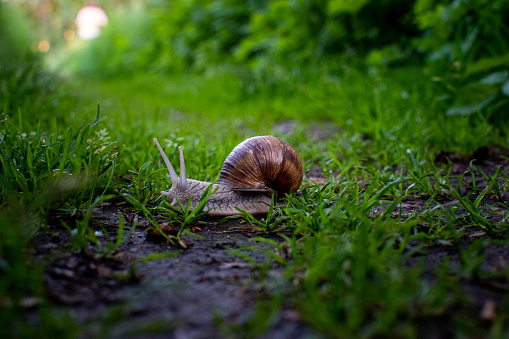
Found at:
(160, 290)
(148, 288)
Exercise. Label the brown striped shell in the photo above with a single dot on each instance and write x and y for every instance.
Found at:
(263, 163)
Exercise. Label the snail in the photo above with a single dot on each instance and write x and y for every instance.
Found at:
(251, 173)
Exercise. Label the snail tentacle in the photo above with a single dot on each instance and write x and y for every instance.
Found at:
(183, 180)
(173, 174)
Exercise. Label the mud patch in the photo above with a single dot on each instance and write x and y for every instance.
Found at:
(162, 290)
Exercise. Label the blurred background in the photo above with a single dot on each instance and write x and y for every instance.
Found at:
(301, 49)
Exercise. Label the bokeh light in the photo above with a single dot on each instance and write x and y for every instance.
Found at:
(69, 35)
(89, 20)
(43, 46)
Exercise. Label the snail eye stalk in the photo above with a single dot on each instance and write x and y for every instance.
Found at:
(183, 177)
(173, 174)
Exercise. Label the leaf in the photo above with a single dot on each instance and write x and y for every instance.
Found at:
(346, 6)
(494, 78)
(486, 64)
(469, 109)
(505, 88)
(469, 40)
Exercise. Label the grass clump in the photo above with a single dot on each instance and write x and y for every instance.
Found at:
(43, 174)
(64, 172)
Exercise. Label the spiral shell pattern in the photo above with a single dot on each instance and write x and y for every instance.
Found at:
(263, 163)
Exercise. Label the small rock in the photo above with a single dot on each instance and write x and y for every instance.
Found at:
(154, 235)
(488, 312)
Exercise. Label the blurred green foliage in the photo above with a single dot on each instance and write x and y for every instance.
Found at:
(466, 44)
(200, 33)
(462, 44)
(126, 45)
(25, 85)
(20, 80)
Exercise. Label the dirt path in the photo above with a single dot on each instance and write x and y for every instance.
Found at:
(187, 293)
(202, 291)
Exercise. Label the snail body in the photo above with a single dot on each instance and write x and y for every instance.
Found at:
(255, 169)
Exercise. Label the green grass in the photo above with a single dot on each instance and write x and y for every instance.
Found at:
(377, 116)
(74, 167)
(347, 274)
(346, 270)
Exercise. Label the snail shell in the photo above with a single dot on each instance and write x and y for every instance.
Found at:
(263, 163)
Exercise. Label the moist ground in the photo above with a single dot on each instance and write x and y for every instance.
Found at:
(202, 291)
